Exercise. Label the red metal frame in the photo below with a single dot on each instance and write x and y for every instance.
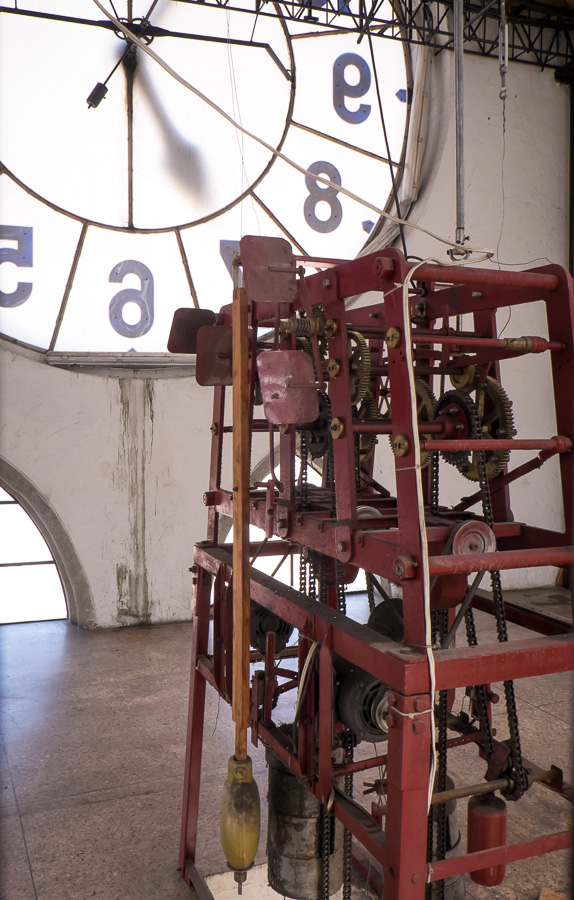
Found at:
(389, 546)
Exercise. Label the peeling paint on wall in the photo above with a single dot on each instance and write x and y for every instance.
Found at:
(136, 410)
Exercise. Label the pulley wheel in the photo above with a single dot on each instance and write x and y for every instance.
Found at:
(473, 537)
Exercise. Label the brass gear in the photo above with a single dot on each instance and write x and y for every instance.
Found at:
(367, 409)
(359, 366)
(496, 421)
(426, 403)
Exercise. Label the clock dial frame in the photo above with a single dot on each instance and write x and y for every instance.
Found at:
(180, 175)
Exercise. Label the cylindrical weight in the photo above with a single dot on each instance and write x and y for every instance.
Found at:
(487, 816)
(294, 846)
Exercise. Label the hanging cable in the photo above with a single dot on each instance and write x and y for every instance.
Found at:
(461, 237)
(387, 145)
(318, 178)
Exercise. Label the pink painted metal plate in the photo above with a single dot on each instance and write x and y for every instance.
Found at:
(268, 269)
(288, 386)
(184, 328)
(213, 363)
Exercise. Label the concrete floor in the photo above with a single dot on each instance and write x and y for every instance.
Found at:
(93, 744)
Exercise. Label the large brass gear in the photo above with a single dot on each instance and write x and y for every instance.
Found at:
(359, 366)
(426, 403)
(496, 421)
(367, 409)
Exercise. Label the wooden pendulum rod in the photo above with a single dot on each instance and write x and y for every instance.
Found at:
(241, 565)
(240, 808)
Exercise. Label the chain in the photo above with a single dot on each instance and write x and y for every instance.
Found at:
(330, 463)
(325, 853)
(321, 569)
(302, 573)
(517, 773)
(440, 781)
(357, 449)
(437, 823)
(478, 693)
(347, 836)
(312, 590)
(303, 472)
(434, 462)
(370, 591)
(341, 597)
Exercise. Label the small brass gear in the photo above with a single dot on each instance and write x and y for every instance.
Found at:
(496, 421)
(426, 403)
(466, 380)
(359, 366)
(367, 409)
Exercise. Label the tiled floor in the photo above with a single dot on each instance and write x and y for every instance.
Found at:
(91, 766)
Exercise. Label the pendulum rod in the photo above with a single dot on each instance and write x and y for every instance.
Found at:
(459, 118)
(241, 567)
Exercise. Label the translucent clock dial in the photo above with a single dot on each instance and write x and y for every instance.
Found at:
(152, 154)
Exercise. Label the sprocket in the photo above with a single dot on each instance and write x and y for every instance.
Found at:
(317, 433)
(491, 416)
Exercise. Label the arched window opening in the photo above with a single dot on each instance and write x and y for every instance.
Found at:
(30, 586)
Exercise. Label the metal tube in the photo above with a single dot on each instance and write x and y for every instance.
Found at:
(562, 444)
(459, 117)
(486, 277)
(506, 559)
(486, 787)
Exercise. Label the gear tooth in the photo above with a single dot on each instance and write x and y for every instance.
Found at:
(367, 442)
(364, 377)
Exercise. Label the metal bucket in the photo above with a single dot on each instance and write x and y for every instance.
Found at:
(294, 851)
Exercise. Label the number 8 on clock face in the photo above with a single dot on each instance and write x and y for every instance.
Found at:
(337, 133)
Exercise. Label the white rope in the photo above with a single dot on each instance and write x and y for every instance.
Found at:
(422, 522)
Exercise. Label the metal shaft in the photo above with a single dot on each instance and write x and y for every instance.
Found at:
(459, 117)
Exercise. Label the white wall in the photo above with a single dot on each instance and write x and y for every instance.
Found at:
(124, 461)
(516, 177)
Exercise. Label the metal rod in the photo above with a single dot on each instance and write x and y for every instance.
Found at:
(562, 444)
(480, 343)
(486, 787)
(459, 117)
(466, 563)
(485, 277)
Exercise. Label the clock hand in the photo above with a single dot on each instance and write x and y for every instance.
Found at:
(183, 158)
(100, 90)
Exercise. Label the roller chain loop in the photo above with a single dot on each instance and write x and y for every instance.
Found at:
(325, 852)
(517, 774)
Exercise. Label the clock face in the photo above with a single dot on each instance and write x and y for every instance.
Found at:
(111, 217)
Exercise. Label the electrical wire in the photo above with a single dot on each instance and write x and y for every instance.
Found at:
(318, 178)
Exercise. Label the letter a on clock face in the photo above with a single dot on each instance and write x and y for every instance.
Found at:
(113, 216)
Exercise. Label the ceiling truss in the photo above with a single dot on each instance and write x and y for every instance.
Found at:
(538, 34)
